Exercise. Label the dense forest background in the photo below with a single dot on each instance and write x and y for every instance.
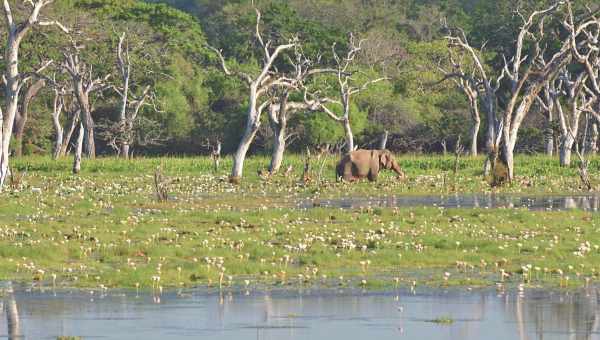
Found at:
(198, 104)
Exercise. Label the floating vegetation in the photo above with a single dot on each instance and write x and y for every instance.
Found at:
(444, 320)
(104, 229)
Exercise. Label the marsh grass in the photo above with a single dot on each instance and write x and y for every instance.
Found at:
(105, 228)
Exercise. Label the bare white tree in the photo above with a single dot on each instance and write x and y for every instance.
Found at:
(572, 88)
(57, 110)
(282, 107)
(347, 86)
(546, 100)
(13, 78)
(131, 103)
(258, 86)
(466, 81)
(84, 83)
(527, 76)
(528, 71)
(584, 43)
(22, 114)
(279, 111)
(78, 149)
(480, 87)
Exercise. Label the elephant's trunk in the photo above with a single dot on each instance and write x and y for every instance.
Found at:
(396, 167)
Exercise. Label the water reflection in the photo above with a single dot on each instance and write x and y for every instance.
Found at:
(539, 315)
(540, 202)
(11, 310)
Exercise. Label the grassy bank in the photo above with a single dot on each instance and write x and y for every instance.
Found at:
(105, 228)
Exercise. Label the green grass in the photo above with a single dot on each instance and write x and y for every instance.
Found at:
(104, 228)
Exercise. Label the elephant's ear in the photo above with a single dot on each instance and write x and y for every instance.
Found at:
(385, 159)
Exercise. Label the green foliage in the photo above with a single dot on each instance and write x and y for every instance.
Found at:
(197, 103)
(321, 129)
(181, 95)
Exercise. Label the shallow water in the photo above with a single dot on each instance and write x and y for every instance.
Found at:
(307, 315)
(533, 202)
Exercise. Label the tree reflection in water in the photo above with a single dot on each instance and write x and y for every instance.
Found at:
(573, 316)
(528, 314)
(13, 323)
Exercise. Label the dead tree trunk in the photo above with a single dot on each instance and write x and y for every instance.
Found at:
(78, 150)
(216, 155)
(467, 84)
(526, 74)
(252, 126)
(384, 139)
(586, 53)
(527, 81)
(258, 87)
(279, 112)
(593, 142)
(474, 137)
(58, 129)
(23, 114)
(13, 78)
(493, 124)
(278, 121)
(83, 85)
(13, 321)
(130, 103)
(89, 141)
(349, 134)
(569, 119)
(546, 101)
(473, 79)
(73, 123)
(346, 87)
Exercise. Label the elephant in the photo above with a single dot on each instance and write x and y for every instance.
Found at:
(366, 163)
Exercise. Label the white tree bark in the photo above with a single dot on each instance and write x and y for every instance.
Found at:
(22, 114)
(473, 79)
(78, 150)
(83, 85)
(72, 126)
(474, 137)
(258, 86)
(584, 45)
(527, 81)
(130, 103)
(278, 121)
(593, 147)
(384, 140)
(16, 32)
(252, 126)
(58, 129)
(569, 119)
(279, 146)
(549, 101)
(349, 135)
(346, 87)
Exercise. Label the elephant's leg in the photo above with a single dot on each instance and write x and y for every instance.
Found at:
(349, 172)
(372, 176)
